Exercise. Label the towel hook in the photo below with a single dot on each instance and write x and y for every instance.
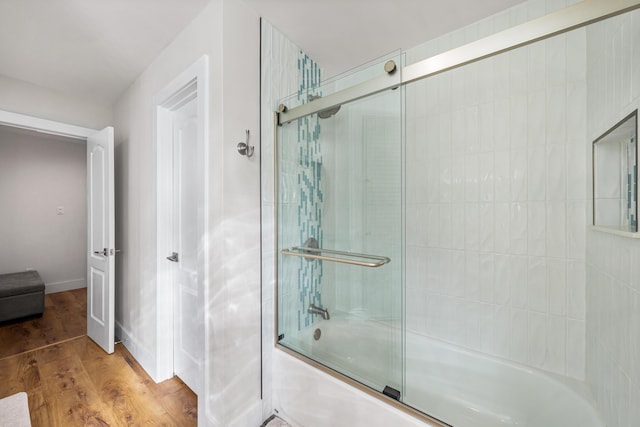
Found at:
(244, 148)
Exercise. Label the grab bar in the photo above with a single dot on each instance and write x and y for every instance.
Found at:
(316, 253)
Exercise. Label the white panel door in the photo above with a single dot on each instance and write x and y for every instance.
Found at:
(101, 239)
(188, 304)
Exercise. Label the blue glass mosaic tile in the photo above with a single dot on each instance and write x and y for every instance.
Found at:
(310, 197)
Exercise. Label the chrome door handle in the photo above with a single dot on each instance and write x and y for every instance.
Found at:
(173, 257)
(106, 252)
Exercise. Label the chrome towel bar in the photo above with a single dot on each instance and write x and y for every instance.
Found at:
(316, 253)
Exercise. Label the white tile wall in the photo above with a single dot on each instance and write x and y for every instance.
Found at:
(612, 268)
(475, 275)
(498, 226)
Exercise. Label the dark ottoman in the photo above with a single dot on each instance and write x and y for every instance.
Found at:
(21, 294)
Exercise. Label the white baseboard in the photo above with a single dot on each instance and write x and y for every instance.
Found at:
(67, 285)
(137, 350)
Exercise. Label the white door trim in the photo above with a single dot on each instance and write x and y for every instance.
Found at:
(8, 118)
(168, 99)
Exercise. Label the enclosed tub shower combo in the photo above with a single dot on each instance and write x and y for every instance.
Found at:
(431, 219)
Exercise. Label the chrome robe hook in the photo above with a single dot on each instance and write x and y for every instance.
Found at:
(244, 148)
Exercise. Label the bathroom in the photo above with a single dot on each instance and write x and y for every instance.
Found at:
(421, 252)
(479, 181)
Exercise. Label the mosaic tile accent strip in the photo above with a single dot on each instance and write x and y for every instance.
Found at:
(311, 197)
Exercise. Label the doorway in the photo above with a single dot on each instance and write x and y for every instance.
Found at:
(100, 251)
(182, 208)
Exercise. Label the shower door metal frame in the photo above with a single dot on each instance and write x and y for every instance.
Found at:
(572, 17)
(561, 21)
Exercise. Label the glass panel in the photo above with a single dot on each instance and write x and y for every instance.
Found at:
(515, 310)
(496, 219)
(340, 183)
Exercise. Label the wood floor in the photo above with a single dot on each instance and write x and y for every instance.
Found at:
(70, 381)
(65, 317)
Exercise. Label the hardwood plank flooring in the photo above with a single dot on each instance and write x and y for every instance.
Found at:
(75, 383)
(71, 381)
(64, 317)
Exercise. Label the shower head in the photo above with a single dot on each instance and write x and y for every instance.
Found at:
(325, 114)
(329, 112)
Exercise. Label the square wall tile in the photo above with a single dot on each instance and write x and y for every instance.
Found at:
(557, 283)
(519, 280)
(502, 174)
(556, 116)
(518, 228)
(485, 176)
(536, 222)
(537, 339)
(519, 344)
(537, 173)
(556, 173)
(485, 127)
(556, 229)
(502, 238)
(486, 227)
(536, 124)
(518, 175)
(556, 344)
(576, 281)
(537, 289)
(487, 277)
(556, 56)
(502, 292)
(576, 229)
(575, 349)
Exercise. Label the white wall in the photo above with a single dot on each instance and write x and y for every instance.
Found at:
(38, 173)
(228, 32)
(26, 98)
(613, 262)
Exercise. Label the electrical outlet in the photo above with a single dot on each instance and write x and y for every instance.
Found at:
(60, 210)
(29, 269)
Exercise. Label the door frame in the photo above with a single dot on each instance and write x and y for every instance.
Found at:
(192, 80)
(79, 133)
(51, 127)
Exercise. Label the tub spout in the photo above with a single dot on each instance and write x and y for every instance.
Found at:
(317, 310)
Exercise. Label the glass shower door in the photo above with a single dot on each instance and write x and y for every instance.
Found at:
(340, 238)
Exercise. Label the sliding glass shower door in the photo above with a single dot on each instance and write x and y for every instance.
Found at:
(340, 236)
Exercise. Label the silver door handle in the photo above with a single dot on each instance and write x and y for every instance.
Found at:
(107, 252)
(173, 257)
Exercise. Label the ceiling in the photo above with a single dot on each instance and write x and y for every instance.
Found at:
(87, 48)
(342, 34)
(96, 48)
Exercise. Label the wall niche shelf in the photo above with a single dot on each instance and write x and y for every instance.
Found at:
(615, 179)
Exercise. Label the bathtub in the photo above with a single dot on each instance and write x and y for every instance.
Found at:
(460, 387)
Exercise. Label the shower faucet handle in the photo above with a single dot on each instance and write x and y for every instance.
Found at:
(313, 309)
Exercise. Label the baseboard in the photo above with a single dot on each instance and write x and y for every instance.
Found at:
(67, 285)
(137, 350)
